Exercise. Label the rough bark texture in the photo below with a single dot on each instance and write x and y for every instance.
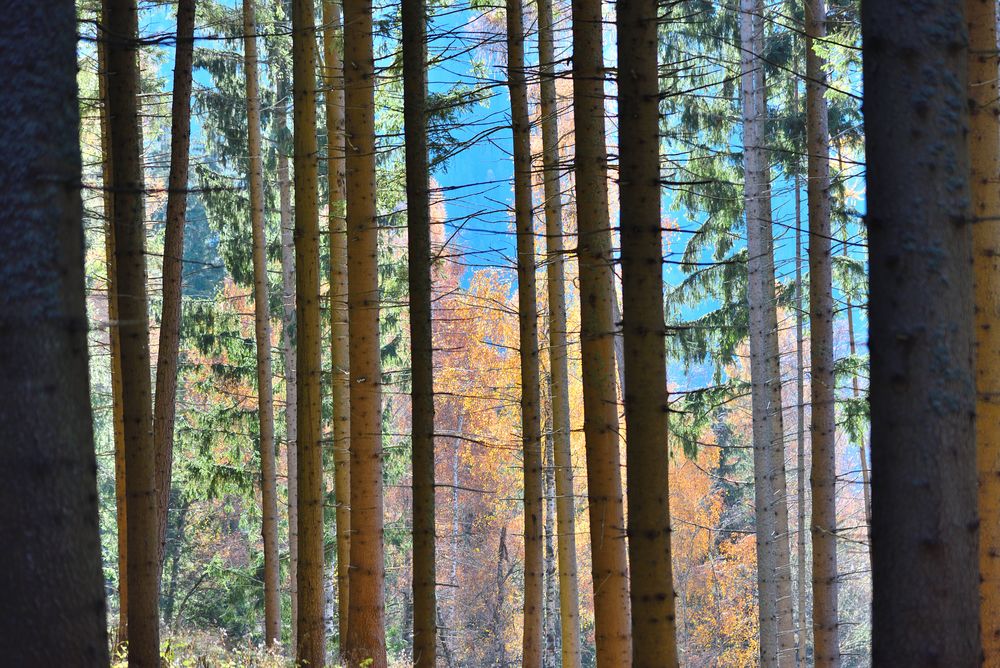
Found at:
(130, 265)
(569, 596)
(310, 644)
(925, 525)
(262, 334)
(165, 406)
(777, 634)
(654, 641)
(612, 633)
(340, 355)
(823, 478)
(366, 626)
(527, 311)
(422, 380)
(53, 611)
(984, 155)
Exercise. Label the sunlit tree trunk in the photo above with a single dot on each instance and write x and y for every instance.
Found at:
(823, 476)
(165, 406)
(924, 520)
(527, 310)
(800, 419)
(366, 625)
(340, 355)
(612, 633)
(654, 641)
(310, 642)
(53, 599)
(569, 598)
(422, 380)
(262, 333)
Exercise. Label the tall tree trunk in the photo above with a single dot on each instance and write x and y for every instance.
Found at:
(527, 310)
(823, 476)
(654, 640)
(422, 383)
(53, 610)
(366, 625)
(288, 346)
(569, 598)
(925, 526)
(262, 333)
(130, 265)
(551, 617)
(340, 355)
(800, 419)
(984, 155)
(777, 633)
(612, 633)
(310, 642)
(114, 345)
(165, 407)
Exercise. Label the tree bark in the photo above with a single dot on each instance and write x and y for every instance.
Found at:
(645, 390)
(527, 309)
(310, 642)
(612, 633)
(262, 334)
(340, 355)
(569, 597)
(366, 625)
(823, 476)
(53, 611)
(924, 521)
(130, 265)
(421, 346)
(984, 155)
(800, 419)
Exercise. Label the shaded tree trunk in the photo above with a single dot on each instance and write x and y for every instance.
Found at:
(612, 634)
(53, 611)
(366, 625)
(924, 521)
(310, 641)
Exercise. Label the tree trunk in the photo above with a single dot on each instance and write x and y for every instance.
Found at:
(310, 642)
(366, 625)
(612, 634)
(984, 155)
(130, 265)
(53, 611)
(551, 615)
(777, 633)
(338, 308)
(569, 598)
(925, 526)
(800, 418)
(422, 383)
(165, 406)
(645, 390)
(114, 346)
(823, 475)
(527, 310)
(262, 333)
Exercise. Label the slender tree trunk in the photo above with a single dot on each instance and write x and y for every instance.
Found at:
(925, 526)
(569, 598)
(422, 383)
(165, 407)
(984, 154)
(130, 265)
(856, 392)
(340, 355)
(288, 346)
(645, 391)
(551, 616)
(612, 633)
(527, 309)
(366, 626)
(310, 642)
(53, 610)
(114, 346)
(262, 333)
(800, 415)
(823, 477)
